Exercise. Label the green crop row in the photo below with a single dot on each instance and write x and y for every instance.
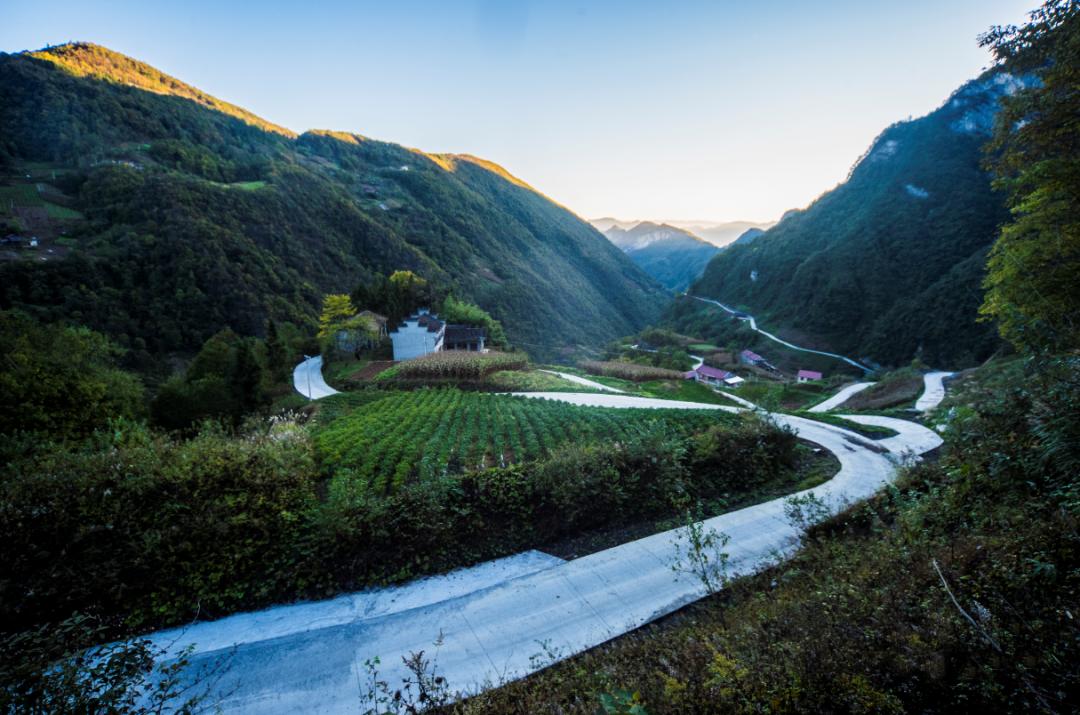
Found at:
(425, 434)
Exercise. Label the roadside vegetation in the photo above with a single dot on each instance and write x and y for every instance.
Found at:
(629, 371)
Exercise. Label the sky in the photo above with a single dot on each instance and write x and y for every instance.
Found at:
(652, 109)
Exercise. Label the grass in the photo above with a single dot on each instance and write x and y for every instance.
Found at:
(61, 213)
(703, 347)
(686, 390)
(532, 381)
(788, 396)
(896, 389)
(871, 431)
(247, 185)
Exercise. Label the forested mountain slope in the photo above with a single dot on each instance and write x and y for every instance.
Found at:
(888, 265)
(669, 254)
(186, 214)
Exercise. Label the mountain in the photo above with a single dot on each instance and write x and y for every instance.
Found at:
(167, 214)
(720, 234)
(748, 236)
(671, 255)
(888, 265)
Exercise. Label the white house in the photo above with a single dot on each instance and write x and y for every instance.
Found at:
(418, 335)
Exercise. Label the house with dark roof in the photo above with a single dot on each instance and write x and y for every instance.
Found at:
(419, 334)
(423, 333)
(715, 377)
(464, 337)
(749, 357)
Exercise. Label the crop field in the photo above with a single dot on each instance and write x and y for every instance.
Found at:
(457, 365)
(20, 196)
(630, 371)
(420, 435)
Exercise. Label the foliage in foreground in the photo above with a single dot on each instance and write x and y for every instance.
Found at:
(1032, 273)
(146, 531)
(953, 592)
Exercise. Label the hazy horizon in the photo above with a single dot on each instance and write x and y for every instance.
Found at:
(614, 110)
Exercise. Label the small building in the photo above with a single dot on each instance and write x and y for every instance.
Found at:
(808, 376)
(712, 376)
(464, 337)
(749, 357)
(420, 334)
(379, 320)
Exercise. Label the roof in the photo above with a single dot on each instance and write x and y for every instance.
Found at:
(810, 374)
(713, 372)
(751, 355)
(734, 380)
(424, 320)
(464, 333)
(380, 319)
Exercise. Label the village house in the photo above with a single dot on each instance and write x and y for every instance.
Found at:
(424, 333)
(354, 339)
(751, 358)
(419, 334)
(714, 377)
(808, 376)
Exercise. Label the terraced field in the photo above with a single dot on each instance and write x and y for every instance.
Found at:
(421, 435)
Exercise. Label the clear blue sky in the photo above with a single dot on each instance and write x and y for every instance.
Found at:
(672, 110)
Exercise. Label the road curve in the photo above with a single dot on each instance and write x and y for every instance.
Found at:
(770, 336)
(911, 437)
(933, 391)
(583, 381)
(308, 380)
(840, 397)
(310, 662)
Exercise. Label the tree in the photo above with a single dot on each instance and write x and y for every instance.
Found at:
(337, 308)
(276, 352)
(1032, 289)
(61, 379)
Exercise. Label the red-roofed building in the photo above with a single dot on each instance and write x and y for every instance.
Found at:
(808, 376)
(715, 376)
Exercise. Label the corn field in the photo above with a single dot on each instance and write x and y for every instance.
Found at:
(454, 364)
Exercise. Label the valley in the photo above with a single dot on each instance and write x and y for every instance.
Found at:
(306, 421)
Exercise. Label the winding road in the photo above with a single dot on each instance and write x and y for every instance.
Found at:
(840, 397)
(308, 379)
(505, 619)
(933, 391)
(753, 326)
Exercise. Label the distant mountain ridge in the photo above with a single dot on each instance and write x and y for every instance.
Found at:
(888, 265)
(671, 255)
(198, 215)
(718, 233)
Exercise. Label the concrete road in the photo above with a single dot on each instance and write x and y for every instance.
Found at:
(770, 336)
(310, 657)
(583, 381)
(911, 436)
(308, 380)
(840, 397)
(933, 391)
